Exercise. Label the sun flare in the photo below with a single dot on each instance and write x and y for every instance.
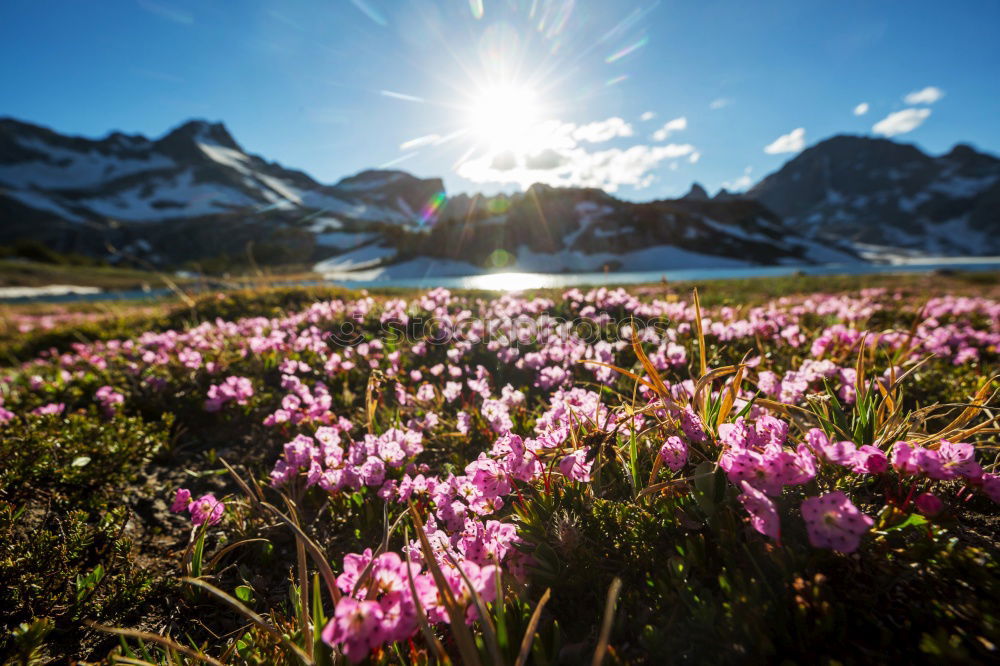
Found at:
(503, 116)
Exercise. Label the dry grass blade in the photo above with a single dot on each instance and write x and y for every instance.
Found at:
(382, 547)
(300, 557)
(627, 373)
(155, 638)
(118, 659)
(240, 608)
(785, 408)
(218, 556)
(666, 484)
(244, 486)
(707, 379)
(531, 630)
(425, 626)
(916, 366)
(609, 618)
(647, 365)
(978, 403)
(730, 399)
(456, 615)
(956, 429)
(488, 629)
(314, 550)
(370, 403)
(859, 369)
(702, 364)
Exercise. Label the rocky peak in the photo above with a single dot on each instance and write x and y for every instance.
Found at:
(183, 141)
(696, 193)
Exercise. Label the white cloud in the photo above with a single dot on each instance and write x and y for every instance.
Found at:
(901, 122)
(719, 103)
(647, 116)
(740, 184)
(861, 109)
(928, 95)
(559, 153)
(602, 130)
(675, 125)
(694, 157)
(792, 142)
(606, 169)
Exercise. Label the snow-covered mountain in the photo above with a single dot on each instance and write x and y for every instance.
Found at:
(195, 194)
(195, 170)
(876, 192)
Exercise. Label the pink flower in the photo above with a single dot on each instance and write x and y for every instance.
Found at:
(833, 521)
(206, 509)
(238, 389)
(991, 486)
(181, 500)
(109, 399)
(929, 462)
(870, 460)
(738, 436)
(960, 458)
(928, 504)
(692, 426)
(903, 458)
(763, 515)
(463, 422)
(576, 467)
(838, 453)
(354, 564)
(674, 453)
(51, 409)
(355, 627)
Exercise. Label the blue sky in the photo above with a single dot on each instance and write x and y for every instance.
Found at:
(493, 94)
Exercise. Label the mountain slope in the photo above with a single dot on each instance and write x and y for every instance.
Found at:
(879, 192)
(195, 195)
(571, 229)
(195, 170)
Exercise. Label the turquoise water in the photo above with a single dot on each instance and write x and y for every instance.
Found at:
(520, 281)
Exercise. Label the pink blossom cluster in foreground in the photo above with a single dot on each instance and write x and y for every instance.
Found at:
(491, 366)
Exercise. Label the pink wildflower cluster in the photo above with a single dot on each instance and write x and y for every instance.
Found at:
(335, 462)
(5, 414)
(381, 608)
(50, 409)
(109, 400)
(205, 509)
(833, 521)
(234, 389)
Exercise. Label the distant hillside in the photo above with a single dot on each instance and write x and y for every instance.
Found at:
(195, 195)
(881, 192)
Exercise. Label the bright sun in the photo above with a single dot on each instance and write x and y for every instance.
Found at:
(502, 116)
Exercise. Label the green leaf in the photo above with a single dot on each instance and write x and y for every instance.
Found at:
(244, 593)
(80, 461)
(704, 486)
(913, 520)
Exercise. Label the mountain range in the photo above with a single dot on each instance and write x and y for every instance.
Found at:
(194, 197)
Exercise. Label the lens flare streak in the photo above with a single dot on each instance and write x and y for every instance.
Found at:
(431, 209)
(632, 48)
(402, 96)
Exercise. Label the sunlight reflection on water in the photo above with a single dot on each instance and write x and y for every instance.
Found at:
(513, 281)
